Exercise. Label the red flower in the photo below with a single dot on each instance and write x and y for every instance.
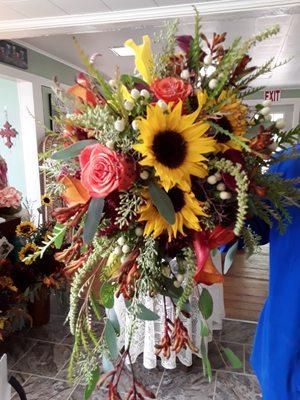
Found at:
(103, 171)
(171, 89)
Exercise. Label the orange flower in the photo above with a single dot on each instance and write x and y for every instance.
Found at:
(75, 192)
(171, 89)
(83, 91)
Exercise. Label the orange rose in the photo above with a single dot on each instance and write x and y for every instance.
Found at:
(171, 89)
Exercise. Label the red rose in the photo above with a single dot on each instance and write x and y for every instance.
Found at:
(103, 171)
(171, 89)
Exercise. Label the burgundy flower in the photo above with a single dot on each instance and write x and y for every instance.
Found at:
(236, 157)
(184, 42)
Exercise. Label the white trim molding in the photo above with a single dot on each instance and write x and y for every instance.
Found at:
(30, 27)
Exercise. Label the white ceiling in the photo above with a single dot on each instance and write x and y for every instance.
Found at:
(99, 38)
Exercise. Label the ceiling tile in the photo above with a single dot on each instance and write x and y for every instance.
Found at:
(176, 2)
(35, 8)
(116, 5)
(9, 13)
(80, 6)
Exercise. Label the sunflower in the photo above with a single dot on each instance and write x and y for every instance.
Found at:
(25, 229)
(47, 200)
(174, 145)
(26, 251)
(231, 113)
(187, 209)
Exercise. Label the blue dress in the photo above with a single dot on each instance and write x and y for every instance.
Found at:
(276, 354)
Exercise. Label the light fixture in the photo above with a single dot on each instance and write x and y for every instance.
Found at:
(122, 51)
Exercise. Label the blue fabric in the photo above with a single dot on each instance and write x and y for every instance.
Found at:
(276, 353)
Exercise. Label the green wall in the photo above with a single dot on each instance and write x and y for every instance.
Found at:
(46, 67)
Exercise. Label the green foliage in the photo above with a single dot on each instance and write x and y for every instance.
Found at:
(251, 241)
(195, 46)
(129, 205)
(230, 256)
(110, 338)
(233, 359)
(190, 266)
(104, 86)
(91, 224)
(92, 383)
(290, 137)
(167, 40)
(230, 135)
(107, 291)
(73, 150)
(205, 303)
(162, 202)
(242, 184)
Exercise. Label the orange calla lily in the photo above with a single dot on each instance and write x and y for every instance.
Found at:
(75, 192)
(209, 273)
(82, 90)
(203, 243)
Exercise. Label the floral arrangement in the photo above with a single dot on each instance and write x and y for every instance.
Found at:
(45, 272)
(161, 165)
(13, 309)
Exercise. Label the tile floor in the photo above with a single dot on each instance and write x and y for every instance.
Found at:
(38, 358)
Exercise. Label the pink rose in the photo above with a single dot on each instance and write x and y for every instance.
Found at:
(103, 171)
(10, 197)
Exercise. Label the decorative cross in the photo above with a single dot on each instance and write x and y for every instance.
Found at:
(8, 132)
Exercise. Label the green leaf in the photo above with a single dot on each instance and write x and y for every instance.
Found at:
(143, 312)
(207, 368)
(92, 383)
(107, 365)
(107, 291)
(73, 150)
(186, 307)
(204, 330)
(112, 316)
(205, 304)
(234, 361)
(168, 288)
(230, 256)
(59, 233)
(95, 306)
(162, 202)
(129, 80)
(93, 218)
(111, 340)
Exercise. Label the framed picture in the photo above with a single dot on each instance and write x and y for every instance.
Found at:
(13, 54)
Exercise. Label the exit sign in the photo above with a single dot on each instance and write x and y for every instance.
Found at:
(273, 95)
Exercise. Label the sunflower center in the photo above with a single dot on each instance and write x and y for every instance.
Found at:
(26, 229)
(169, 148)
(177, 197)
(226, 125)
(46, 200)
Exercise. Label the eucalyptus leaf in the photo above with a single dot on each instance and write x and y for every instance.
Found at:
(162, 202)
(93, 218)
(107, 365)
(73, 150)
(168, 288)
(230, 257)
(143, 312)
(111, 340)
(112, 316)
(205, 303)
(92, 383)
(107, 298)
(204, 330)
(207, 368)
(233, 359)
(59, 232)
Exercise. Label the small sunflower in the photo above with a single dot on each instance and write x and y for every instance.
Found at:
(232, 118)
(26, 251)
(187, 209)
(47, 200)
(25, 229)
(174, 145)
